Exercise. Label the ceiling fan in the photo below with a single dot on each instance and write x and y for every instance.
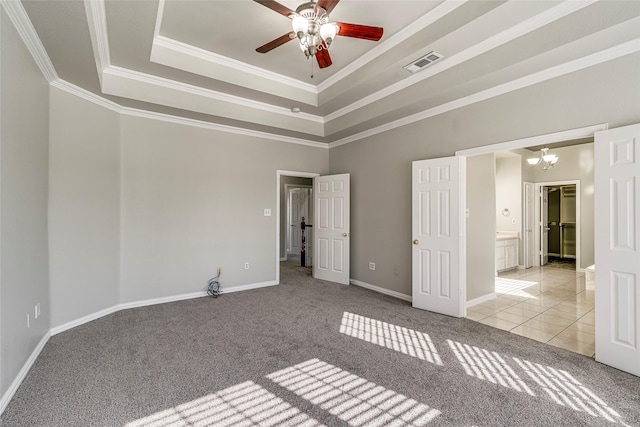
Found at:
(314, 31)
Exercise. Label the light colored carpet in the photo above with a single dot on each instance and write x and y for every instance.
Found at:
(309, 353)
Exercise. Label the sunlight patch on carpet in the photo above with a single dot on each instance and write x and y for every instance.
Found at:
(245, 404)
(488, 365)
(354, 400)
(404, 340)
(565, 390)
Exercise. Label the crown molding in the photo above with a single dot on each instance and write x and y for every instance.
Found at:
(97, 20)
(27, 32)
(175, 54)
(161, 82)
(86, 95)
(134, 112)
(427, 19)
(478, 49)
(606, 55)
(222, 128)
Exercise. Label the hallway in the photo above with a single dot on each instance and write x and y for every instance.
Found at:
(548, 304)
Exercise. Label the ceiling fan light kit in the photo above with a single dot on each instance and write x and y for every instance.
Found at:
(315, 33)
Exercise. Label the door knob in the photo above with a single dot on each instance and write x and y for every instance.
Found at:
(415, 242)
(345, 234)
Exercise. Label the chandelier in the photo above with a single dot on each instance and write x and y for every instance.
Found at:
(546, 160)
(311, 25)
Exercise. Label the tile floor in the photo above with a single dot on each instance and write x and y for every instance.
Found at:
(548, 304)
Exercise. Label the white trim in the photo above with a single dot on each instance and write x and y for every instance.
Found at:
(378, 289)
(249, 287)
(484, 46)
(537, 219)
(480, 300)
(280, 173)
(97, 20)
(549, 138)
(18, 16)
(103, 102)
(84, 319)
(161, 82)
(283, 259)
(224, 61)
(161, 300)
(427, 19)
(222, 128)
(8, 395)
(520, 83)
(86, 95)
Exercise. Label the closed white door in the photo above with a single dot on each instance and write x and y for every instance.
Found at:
(331, 228)
(438, 226)
(529, 243)
(544, 225)
(617, 247)
(298, 208)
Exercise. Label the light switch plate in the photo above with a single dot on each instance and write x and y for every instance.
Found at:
(267, 212)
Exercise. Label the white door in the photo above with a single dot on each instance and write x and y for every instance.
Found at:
(438, 225)
(331, 228)
(617, 247)
(544, 225)
(298, 208)
(529, 244)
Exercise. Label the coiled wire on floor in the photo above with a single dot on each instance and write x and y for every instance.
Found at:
(214, 287)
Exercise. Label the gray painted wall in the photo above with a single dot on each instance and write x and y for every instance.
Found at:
(24, 265)
(380, 165)
(288, 180)
(481, 226)
(193, 200)
(84, 207)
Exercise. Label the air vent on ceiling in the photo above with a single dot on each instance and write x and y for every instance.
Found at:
(422, 62)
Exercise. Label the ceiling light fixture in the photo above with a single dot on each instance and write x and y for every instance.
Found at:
(546, 160)
(313, 29)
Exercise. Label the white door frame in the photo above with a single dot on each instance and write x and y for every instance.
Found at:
(538, 248)
(528, 225)
(279, 174)
(287, 207)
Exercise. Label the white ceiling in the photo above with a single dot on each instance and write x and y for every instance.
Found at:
(197, 59)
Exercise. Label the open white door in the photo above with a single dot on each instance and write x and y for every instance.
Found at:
(298, 208)
(438, 224)
(331, 228)
(617, 247)
(529, 244)
(544, 225)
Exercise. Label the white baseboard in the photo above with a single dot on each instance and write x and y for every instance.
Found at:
(84, 319)
(98, 314)
(395, 294)
(284, 258)
(481, 299)
(8, 395)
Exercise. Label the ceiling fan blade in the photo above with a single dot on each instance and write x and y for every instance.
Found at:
(327, 5)
(277, 42)
(359, 31)
(276, 7)
(323, 57)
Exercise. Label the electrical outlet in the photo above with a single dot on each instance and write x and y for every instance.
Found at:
(246, 265)
(28, 321)
(267, 212)
(395, 270)
(372, 266)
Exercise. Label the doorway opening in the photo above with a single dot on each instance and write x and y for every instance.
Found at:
(294, 196)
(559, 219)
(532, 297)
